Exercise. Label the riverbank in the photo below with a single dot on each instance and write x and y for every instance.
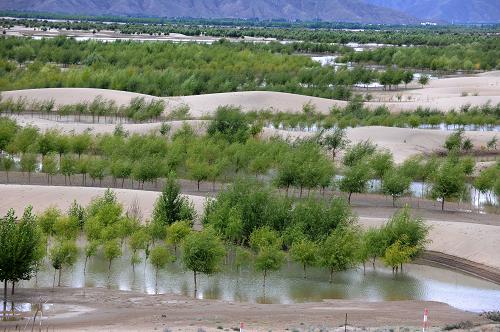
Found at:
(112, 310)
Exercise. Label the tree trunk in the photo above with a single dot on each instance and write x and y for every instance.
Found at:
(442, 205)
(305, 271)
(393, 201)
(331, 276)
(156, 281)
(349, 198)
(373, 262)
(59, 278)
(199, 185)
(13, 288)
(54, 279)
(5, 291)
(85, 265)
(264, 283)
(195, 284)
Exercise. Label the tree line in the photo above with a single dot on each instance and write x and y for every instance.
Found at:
(230, 149)
(318, 32)
(260, 230)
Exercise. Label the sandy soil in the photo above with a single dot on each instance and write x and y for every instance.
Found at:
(443, 94)
(402, 142)
(476, 242)
(101, 309)
(42, 197)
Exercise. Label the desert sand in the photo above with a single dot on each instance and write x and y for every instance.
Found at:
(42, 197)
(113, 310)
(476, 242)
(402, 142)
(443, 94)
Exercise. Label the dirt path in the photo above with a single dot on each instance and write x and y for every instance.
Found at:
(112, 310)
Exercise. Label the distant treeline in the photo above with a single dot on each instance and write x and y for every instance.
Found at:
(318, 32)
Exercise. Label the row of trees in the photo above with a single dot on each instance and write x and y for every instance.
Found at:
(229, 150)
(317, 31)
(336, 244)
(166, 69)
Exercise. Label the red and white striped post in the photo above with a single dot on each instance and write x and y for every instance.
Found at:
(241, 326)
(426, 317)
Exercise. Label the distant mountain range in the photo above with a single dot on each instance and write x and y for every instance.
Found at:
(452, 11)
(361, 11)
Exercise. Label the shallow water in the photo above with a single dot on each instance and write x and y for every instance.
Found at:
(287, 286)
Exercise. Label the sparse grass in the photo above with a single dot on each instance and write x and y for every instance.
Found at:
(464, 325)
(492, 315)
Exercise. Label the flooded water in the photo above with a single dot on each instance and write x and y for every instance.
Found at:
(288, 285)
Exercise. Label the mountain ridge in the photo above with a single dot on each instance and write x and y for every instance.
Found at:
(356, 11)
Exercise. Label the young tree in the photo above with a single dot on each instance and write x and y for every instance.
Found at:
(381, 163)
(90, 251)
(407, 77)
(372, 245)
(395, 184)
(230, 123)
(397, 254)
(339, 251)
(423, 80)
(28, 164)
(242, 257)
(304, 252)
(139, 240)
(63, 254)
(448, 182)
(268, 259)
(7, 165)
(171, 206)
(68, 167)
(355, 179)
(159, 258)
(335, 141)
(49, 166)
(202, 252)
(177, 232)
(112, 250)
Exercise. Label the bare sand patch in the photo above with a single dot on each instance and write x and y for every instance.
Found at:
(402, 142)
(18, 197)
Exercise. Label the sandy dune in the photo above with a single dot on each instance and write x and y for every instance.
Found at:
(42, 197)
(443, 94)
(476, 242)
(402, 142)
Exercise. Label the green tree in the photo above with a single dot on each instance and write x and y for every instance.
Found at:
(397, 254)
(139, 240)
(7, 165)
(159, 258)
(268, 259)
(171, 206)
(49, 166)
(202, 252)
(339, 251)
(448, 182)
(68, 167)
(177, 232)
(28, 164)
(335, 141)
(63, 254)
(381, 163)
(423, 80)
(395, 184)
(230, 123)
(90, 251)
(304, 252)
(112, 250)
(355, 179)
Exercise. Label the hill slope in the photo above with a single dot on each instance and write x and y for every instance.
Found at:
(457, 11)
(327, 10)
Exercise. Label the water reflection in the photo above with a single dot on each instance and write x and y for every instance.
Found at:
(287, 286)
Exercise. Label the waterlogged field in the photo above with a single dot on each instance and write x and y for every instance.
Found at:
(287, 286)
